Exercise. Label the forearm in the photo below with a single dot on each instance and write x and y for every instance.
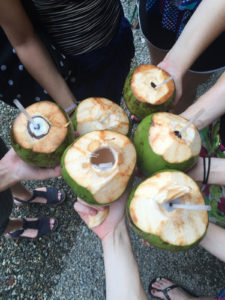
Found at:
(7, 178)
(216, 175)
(214, 241)
(196, 36)
(213, 103)
(122, 275)
(39, 64)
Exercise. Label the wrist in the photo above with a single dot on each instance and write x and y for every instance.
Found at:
(115, 235)
(172, 65)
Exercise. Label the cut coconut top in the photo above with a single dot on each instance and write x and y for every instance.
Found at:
(48, 131)
(178, 227)
(100, 114)
(102, 162)
(145, 78)
(165, 138)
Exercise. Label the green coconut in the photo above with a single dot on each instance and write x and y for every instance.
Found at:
(141, 95)
(99, 165)
(150, 211)
(43, 142)
(160, 144)
(100, 114)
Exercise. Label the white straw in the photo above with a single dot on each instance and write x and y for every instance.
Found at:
(22, 109)
(192, 121)
(191, 206)
(104, 119)
(165, 81)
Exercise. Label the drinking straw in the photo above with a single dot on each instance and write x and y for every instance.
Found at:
(165, 81)
(195, 117)
(22, 109)
(190, 206)
(104, 119)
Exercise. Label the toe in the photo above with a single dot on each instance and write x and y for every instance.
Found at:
(52, 223)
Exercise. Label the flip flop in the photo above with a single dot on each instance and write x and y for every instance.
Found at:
(51, 195)
(42, 225)
(166, 290)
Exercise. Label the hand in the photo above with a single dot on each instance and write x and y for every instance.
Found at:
(169, 68)
(22, 171)
(115, 217)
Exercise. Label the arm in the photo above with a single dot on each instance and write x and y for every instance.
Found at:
(217, 171)
(121, 269)
(32, 52)
(214, 241)
(13, 170)
(214, 103)
(195, 38)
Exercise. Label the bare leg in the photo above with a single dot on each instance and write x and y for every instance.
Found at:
(156, 54)
(175, 293)
(191, 80)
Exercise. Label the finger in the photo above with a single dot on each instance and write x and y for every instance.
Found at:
(79, 207)
(146, 243)
(76, 134)
(97, 208)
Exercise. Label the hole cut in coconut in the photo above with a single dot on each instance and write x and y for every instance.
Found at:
(103, 159)
(39, 128)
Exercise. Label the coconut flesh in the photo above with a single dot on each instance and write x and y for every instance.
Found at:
(172, 227)
(42, 141)
(100, 162)
(161, 144)
(144, 81)
(100, 114)
(47, 132)
(166, 140)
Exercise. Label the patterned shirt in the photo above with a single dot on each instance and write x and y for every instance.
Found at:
(175, 13)
(78, 26)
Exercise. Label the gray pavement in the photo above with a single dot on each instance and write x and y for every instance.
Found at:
(68, 264)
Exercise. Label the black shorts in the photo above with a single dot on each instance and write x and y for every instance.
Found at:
(6, 200)
(212, 59)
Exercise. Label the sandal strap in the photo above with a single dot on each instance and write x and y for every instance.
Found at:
(51, 195)
(17, 233)
(42, 225)
(166, 290)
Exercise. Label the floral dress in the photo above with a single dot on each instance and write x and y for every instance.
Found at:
(214, 194)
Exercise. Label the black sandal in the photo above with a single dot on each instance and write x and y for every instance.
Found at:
(42, 225)
(166, 290)
(51, 195)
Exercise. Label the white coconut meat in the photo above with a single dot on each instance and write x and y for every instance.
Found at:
(165, 139)
(144, 78)
(101, 114)
(102, 162)
(47, 132)
(177, 227)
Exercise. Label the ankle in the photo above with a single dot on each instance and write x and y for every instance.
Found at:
(14, 225)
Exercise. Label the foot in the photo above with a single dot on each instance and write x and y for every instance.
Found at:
(176, 293)
(43, 226)
(26, 197)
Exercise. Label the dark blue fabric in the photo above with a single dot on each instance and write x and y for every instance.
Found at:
(221, 295)
(102, 73)
(99, 73)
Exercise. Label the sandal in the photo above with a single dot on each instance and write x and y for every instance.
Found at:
(166, 290)
(42, 225)
(51, 194)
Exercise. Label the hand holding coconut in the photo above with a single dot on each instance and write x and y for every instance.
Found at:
(114, 214)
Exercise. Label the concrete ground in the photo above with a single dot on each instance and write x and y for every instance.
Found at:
(69, 263)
